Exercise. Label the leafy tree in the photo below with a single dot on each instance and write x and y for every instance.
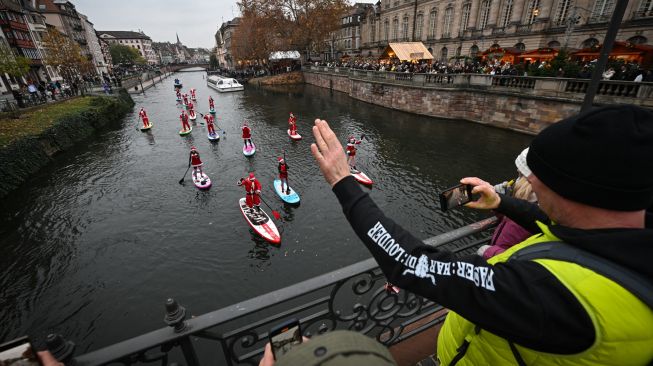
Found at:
(121, 54)
(213, 61)
(278, 25)
(65, 55)
(11, 64)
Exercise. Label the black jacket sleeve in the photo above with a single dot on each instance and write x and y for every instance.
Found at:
(522, 212)
(518, 300)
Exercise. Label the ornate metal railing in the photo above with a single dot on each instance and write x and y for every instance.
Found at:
(349, 298)
(521, 82)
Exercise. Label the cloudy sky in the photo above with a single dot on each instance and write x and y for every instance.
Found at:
(196, 21)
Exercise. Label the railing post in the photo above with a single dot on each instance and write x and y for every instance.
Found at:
(61, 349)
(175, 316)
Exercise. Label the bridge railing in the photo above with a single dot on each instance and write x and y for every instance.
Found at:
(349, 298)
(609, 91)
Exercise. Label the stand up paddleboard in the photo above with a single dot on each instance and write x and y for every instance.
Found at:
(292, 197)
(203, 183)
(192, 116)
(249, 150)
(362, 178)
(260, 222)
(149, 125)
(212, 111)
(184, 133)
(295, 137)
(213, 137)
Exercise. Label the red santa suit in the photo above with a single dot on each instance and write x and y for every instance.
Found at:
(192, 93)
(292, 121)
(211, 106)
(178, 95)
(186, 99)
(191, 110)
(252, 190)
(143, 115)
(195, 160)
(247, 135)
(351, 146)
(209, 123)
(184, 121)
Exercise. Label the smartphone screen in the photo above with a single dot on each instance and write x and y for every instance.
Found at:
(455, 196)
(284, 337)
(19, 352)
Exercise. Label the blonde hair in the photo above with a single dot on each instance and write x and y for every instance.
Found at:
(522, 189)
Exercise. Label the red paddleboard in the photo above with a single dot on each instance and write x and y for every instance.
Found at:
(260, 222)
(362, 178)
(295, 137)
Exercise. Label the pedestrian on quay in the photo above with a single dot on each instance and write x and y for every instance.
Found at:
(578, 292)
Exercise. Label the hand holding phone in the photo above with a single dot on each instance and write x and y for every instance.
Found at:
(284, 337)
(19, 352)
(455, 196)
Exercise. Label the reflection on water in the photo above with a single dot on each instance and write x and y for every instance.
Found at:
(92, 245)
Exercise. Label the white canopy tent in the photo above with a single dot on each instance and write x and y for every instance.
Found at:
(284, 55)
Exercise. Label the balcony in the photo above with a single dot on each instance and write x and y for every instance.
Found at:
(498, 31)
(524, 28)
(15, 25)
(21, 43)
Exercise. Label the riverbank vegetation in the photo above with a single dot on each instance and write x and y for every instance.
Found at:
(31, 141)
(36, 120)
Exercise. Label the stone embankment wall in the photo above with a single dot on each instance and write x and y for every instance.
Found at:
(295, 77)
(24, 157)
(524, 113)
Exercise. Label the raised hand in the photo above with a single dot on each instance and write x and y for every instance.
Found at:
(328, 153)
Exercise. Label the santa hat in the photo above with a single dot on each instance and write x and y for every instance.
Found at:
(193, 148)
(280, 160)
(251, 175)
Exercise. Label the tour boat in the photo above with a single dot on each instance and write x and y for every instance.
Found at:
(224, 85)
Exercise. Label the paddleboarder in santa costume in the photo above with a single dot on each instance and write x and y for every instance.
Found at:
(351, 152)
(196, 163)
(252, 191)
(143, 115)
(247, 134)
(192, 94)
(211, 105)
(185, 96)
(184, 121)
(209, 123)
(178, 95)
(283, 175)
(292, 121)
(191, 111)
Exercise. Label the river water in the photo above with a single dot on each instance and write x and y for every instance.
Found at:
(92, 245)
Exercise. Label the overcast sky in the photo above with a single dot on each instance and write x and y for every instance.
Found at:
(196, 21)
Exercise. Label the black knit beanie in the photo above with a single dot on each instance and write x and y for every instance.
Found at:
(602, 158)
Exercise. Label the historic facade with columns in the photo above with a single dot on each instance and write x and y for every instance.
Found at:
(452, 28)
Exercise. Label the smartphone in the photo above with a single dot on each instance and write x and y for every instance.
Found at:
(455, 196)
(284, 337)
(19, 352)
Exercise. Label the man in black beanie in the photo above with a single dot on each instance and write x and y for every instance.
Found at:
(579, 292)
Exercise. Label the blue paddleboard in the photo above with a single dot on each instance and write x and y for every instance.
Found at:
(292, 198)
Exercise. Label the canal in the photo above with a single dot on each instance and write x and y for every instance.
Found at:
(91, 246)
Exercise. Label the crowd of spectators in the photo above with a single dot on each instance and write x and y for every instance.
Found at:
(624, 71)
